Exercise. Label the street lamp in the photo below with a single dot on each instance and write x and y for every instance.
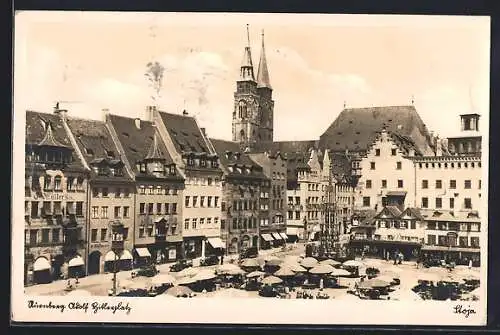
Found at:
(117, 244)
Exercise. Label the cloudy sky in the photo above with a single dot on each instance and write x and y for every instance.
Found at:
(316, 63)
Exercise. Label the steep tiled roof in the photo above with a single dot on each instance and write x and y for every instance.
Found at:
(185, 133)
(230, 154)
(95, 143)
(413, 212)
(136, 142)
(287, 147)
(356, 128)
(36, 134)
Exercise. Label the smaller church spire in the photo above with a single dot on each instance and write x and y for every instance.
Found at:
(263, 72)
(246, 70)
(154, 150)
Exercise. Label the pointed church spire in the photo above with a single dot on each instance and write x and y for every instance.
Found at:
(154, 150)
(246, 70)
(263, 73)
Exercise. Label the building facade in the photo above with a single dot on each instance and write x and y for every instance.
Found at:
(242, 185)
(56, 191)
(198, 162)
(111, 196)
(273, 227)
(157, 235)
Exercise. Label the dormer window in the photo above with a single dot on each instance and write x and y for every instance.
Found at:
(118, 171)
(172, 170)
(190, 161)
(96, 169)
(143, 168)
(89, 151)
(231, 169)
(110, 153)
(203, 162)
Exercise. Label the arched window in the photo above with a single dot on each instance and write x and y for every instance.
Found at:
(242, 135)
(242, 109)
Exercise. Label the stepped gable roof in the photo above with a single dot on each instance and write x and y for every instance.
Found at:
(136, 142)
(226, 151)
(185, 133)
(355, 129)
(95, 143)
(38, 134)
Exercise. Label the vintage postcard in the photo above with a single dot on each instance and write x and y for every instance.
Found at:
(250, 168)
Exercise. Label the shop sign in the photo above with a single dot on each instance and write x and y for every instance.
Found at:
(53, 197)
(98, 245)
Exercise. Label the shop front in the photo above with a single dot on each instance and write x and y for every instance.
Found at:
(459, 255)
(278, 240)
(266, 241)
(143, 256)
(193, 246)
(385, 249)
(124, 261)
(214, 247)
(76, 267)
(42, 273)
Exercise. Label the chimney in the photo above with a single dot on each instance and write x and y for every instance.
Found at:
(150, 110)
(439, 147)
(138, 123)
(184, 112)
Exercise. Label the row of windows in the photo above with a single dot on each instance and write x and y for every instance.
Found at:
(244, 205)
(278, 191)
(397, 224)
(105, 234)
(400, 183)
(56, 183)
(106, 171)
(34, 209)
(105, 192)
(277, 204)
(150, 208)
(279, 176)
(194, 203)
(467, 204)
(244, 223)
(201, 221)
(202, 162)
(393, 152)
(290, 215)
(399, 165)
(118, 212)
(46, 235)
(453, 184)
(445, 241)
(458, 165)
(454, 226)
(202, 181)
(159, 190)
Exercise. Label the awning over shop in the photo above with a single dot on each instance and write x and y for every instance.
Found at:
(292, 231)
(216, 242)
(127, 256)
(76, 261)
(143, 252)
(267, 237)
(41, 264)
(110, 256)
(283, 236)
(276, 236)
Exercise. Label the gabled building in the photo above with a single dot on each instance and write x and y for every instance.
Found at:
(198, 163)
(111, 196)
(243, 184)
(159, 185)
(56, 189)
(273, 228)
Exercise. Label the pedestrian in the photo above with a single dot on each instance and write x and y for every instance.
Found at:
(470, 263)
(321, 283)
(76, 281)
(222, 259)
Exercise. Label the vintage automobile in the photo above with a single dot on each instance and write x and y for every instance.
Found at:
(146, 271)
(181, 265)
(268, 291)
(209, 260)
(251, 252)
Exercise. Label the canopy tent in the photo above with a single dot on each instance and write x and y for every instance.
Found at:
(143, 252)
(271, 280)
(284, 236)
(41, 264)
(250, 263)
(76, 261)
(216, 243)
(330, 262)
(255, 274)
(322, 269)
(309, 262)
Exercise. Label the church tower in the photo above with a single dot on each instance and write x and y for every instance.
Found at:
(266, 103)
(246, 112)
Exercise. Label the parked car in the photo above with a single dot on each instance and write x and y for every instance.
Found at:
(147, 271)
(180, 265)
(251, 252)
(209, 260)
(268, 291)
